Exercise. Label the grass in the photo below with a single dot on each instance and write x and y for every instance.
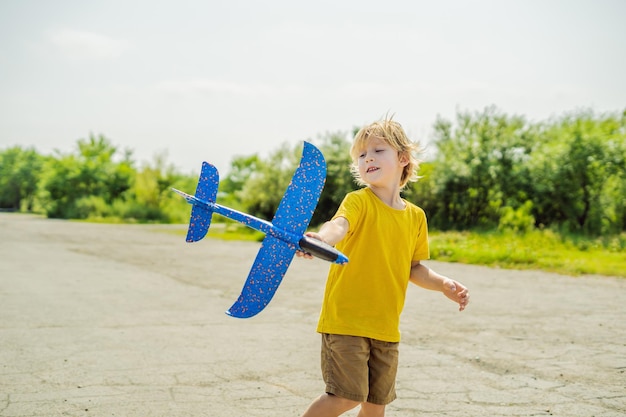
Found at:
(543, 250)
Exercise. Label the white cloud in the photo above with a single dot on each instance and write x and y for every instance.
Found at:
(88, 45)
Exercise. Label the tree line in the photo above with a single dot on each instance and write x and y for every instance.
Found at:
(489, 171)
(95, 181)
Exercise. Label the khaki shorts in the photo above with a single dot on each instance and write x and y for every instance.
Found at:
(360, 369)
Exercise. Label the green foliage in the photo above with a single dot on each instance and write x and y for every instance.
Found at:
(150, 198)
(242, 168)
(579, 173)
(92, 207)
(571, 171)
(518, 220)
(90, 172)
(422, 192)
(94, 182)
(491, 172)
(20, 171)
(479, 168)
(539, 249)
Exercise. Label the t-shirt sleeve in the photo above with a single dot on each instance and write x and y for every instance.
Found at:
(422, 250)
(350, 208)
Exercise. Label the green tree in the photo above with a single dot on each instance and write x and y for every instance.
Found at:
(20, 171)
(150, 197)
(242, 168)
(77, 184)
(578, 171)
(479, 168)
(423, 191)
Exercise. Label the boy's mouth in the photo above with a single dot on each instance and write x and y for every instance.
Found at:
(371, 169)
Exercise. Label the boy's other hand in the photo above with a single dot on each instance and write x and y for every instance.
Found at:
(456, 292)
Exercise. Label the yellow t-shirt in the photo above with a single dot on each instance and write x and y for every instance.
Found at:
(365, 297)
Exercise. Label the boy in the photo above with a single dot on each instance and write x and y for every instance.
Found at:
(385, 237)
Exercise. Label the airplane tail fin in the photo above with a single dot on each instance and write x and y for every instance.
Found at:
(201, 212)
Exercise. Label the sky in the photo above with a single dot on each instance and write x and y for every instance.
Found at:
(211, 80)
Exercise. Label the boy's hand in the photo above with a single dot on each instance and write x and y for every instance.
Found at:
(306, 255)
(457, 292)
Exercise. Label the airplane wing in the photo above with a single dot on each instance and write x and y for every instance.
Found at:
(267, 272)
(298, 204)
(293, 215)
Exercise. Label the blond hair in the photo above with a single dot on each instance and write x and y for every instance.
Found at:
(391, 132)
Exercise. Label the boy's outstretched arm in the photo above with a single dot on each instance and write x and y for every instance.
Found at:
(427, 278)
(331, 232)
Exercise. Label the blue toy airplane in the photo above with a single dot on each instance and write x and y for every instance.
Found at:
(283, 236)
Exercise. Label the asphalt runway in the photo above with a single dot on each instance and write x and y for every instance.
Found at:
(128, 320)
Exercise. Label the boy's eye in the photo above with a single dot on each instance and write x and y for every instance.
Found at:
(362, 154)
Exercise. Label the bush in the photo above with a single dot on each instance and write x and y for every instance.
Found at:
(91, 207)
(518, 220)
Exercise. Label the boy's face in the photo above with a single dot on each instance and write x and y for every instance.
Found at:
(379, 163)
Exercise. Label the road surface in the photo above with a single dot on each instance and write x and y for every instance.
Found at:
(128, 320)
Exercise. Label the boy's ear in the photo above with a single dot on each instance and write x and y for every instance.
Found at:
(403, 157)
